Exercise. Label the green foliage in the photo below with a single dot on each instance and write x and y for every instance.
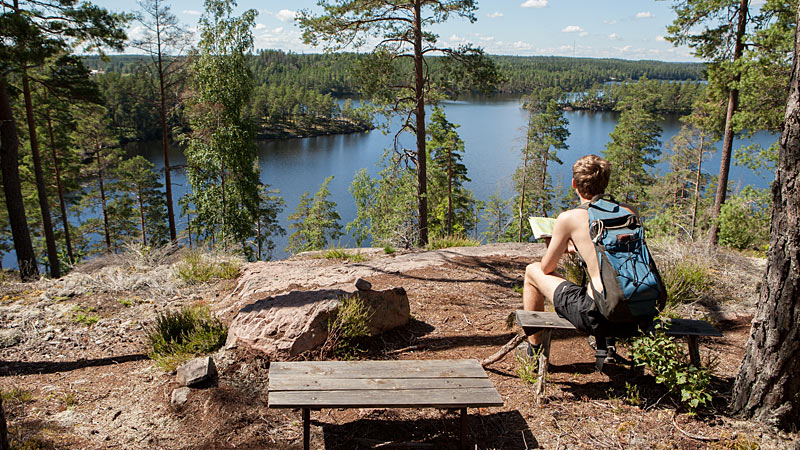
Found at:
(632, 396)
(84, 316)
(571, 268)
(343, 255)
(136, 176)
(126, 302)
(178, 336)
(316, 222)
(528, 367)
(195, 267)
(451, 241)
(347, 328)
(385, 205)
(220, 149)
(450, 204)
(388, 249)
(664, 357)
(744, 220)
(634, 147)
(17, 395)
(686, 281)
(498, 218)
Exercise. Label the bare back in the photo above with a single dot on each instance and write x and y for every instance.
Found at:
(573, 225)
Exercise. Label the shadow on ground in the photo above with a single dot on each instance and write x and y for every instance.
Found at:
(502, 430)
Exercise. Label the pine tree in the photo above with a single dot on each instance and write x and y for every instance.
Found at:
(450, 203)
(498, 218)
(136, 176)
(316, 222)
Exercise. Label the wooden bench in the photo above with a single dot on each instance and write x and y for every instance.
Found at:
(445, 384)
(535, 321)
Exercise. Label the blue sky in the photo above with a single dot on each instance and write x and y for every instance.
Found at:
(629, 29)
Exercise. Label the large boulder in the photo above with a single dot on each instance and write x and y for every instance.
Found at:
(287, 325)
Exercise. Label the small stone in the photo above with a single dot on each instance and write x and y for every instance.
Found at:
(10, 338)
(196, 371)
(363, 285)
(180, 396)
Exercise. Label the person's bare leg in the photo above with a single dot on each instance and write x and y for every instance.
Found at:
(532, 299)
(536, 287)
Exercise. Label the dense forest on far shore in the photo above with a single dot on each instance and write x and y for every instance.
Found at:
(302, 89)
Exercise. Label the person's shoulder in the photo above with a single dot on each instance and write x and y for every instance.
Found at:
(573, 215)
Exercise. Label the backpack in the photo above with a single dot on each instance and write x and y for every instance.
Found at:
(632, 287)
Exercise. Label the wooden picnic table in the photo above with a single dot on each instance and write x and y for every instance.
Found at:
(446, 384)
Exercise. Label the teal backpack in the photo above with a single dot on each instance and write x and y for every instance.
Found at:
(632, 287)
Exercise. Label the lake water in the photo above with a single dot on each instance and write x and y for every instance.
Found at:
(493, 130)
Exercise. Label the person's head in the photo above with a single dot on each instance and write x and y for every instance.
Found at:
(590, 175)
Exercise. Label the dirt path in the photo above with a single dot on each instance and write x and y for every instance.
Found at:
(70, 385)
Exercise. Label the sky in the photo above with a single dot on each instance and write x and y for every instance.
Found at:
(628, 29)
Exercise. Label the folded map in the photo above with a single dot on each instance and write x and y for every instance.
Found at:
(542, 227)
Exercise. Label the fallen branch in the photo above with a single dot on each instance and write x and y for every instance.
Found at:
(692, 436)
(510, 345)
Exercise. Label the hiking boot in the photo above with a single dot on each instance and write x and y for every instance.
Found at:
(611, 356)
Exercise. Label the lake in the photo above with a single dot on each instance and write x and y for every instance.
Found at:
(493, 130)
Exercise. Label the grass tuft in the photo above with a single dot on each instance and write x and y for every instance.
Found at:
(528, 367)
(341, 254)
(178, 336)
(686, 281)
(451, 241)
(198, 268)
(388, 249)
(347, 329)
(85, 316)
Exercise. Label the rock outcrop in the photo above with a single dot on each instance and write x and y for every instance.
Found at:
(287, 325)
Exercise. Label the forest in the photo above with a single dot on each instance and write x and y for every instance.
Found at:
(72, 192)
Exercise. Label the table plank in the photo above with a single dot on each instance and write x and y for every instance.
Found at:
(467, 368)
(414, 398)
(691, 327)
(542, 319)
(307, 383)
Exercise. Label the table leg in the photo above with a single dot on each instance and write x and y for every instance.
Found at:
(544, 360)
(306, 428)
(694, 351)
(463, 428)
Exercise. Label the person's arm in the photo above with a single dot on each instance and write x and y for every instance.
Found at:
(559, 243)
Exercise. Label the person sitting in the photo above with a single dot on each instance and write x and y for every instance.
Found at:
(590, 176)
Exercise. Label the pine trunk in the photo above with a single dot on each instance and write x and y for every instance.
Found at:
(12, 188)
(767, 387)
(61, 201)
(697, 184)
(419, 91)
(103, 200)
(727, 142)
(173, 234)
(41, 187)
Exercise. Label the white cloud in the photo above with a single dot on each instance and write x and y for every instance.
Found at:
(495, 15)
(583, 34)
(486, 38)
(660, 38)
(278, 30)
(645, 15)
(613, 36)
(260, 26)
(534, 4)
(610, 22)
(191, 12)
(285, 15)
(520, 45)
(572, 29)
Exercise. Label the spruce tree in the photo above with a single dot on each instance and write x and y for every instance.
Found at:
(315, 221)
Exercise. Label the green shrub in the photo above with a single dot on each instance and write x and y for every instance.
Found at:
(663, 356)
(451, 241)
(17, 395)
(685, 280)
(178, 336)
(571, 268)
(347, 328)
(343, 255)
(744, 220)
(388, 249)
(528, 367)
(84, 316)
(197, 268)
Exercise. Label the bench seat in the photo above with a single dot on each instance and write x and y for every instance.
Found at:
(446, 384)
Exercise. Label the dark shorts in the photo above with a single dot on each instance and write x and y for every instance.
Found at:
(574, 304)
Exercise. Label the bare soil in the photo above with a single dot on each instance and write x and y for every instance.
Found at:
(68, 384)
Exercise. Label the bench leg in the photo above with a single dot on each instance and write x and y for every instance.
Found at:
(463, 428)
(306, 427)
(544, 360)
(694, 351)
